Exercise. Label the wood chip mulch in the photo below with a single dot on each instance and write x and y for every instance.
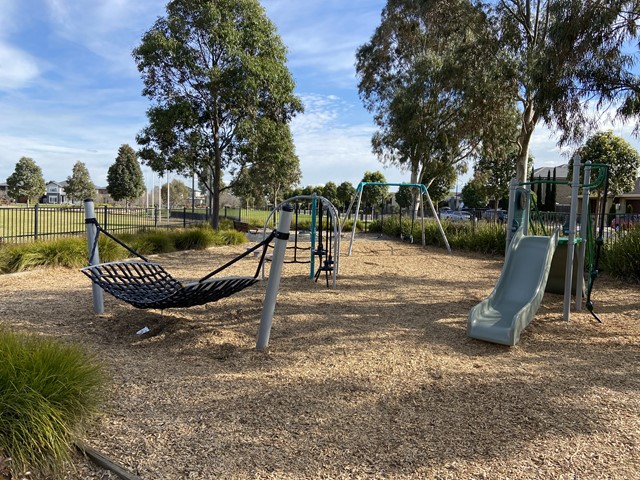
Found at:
(373, 380)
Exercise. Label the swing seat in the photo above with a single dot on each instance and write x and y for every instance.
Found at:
(148, 285)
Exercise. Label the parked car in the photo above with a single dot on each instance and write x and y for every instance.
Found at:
(625, 222)
(495, 215)
(455, 215)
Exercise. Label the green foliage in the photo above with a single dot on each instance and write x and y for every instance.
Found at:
(179, 194)
(65, 252)
(193, 238)
(622, 158)
(474, 193)
(330, 192)
(79, 184)
(26, 181)
(48, 392)
(213, 71)
(124, 177)
(404, 196)
(474, 237)
(374, 195)
(621, 258)
(419, 75)
(345, 192)
(271, 165)
(73, 252)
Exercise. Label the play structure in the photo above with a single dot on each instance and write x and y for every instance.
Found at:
(320, 243)
(514, 301)
(424, 193)
(144, 284)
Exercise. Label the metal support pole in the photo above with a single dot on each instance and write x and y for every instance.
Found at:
(94, 255)
(584, 233)
(355, 220)
(568, 276)
(513, 185)
(269, 304)
(312, 260)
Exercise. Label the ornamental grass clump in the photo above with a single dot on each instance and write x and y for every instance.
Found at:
(194, 238)
(48, 392)
(621, 258)
(65, 252)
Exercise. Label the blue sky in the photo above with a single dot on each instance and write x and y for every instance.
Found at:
(70, 91)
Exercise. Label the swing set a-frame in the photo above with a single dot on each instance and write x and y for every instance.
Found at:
(357, 199)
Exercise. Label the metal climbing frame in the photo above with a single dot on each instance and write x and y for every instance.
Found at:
(317, 201)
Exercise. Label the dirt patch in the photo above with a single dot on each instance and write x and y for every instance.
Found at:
(375, 379)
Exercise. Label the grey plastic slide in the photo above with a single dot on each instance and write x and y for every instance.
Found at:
(516, 297)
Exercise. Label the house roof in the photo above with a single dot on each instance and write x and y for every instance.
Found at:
(561, 171)
(62, 184)
(635, 193)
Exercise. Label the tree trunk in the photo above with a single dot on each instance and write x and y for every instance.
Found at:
(529, 120)
(215, 208)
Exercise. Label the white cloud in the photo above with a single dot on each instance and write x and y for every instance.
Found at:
(17, 68)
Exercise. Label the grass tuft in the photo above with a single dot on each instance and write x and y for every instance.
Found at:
(48, 391)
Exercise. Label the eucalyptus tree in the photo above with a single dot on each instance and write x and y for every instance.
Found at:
(79, 184)
(211, 69)
(423, 76)
(559, 54)
(271, 164)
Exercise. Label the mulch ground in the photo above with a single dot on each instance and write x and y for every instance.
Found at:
(375, 379)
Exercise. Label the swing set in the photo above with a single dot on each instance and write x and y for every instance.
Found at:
(424, 193)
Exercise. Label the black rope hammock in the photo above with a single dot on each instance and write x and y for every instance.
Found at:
(146, 284)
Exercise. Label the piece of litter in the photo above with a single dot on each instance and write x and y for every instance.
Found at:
(142, 331)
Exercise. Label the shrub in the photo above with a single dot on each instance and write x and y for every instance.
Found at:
(70, 252)
(194, 238)
(48, 391)
(622, 257)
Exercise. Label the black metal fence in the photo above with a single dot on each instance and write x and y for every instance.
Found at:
(27, 224)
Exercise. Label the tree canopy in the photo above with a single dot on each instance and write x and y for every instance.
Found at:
(272, 164)
(345, 192)
(26, 181)
(440, 76)
(124, 177)
(179, 194)
(79, 184)
(423, 75)
(622, 158)
(374, 195)
(212, 69)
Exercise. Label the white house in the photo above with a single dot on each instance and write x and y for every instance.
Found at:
(55, 193)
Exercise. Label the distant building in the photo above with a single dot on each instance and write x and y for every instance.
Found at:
(629, 202)
(54, 193)
(563, 192)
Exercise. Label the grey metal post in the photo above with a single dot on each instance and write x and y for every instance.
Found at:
(269, 305)
(435, 215)
(584, 232)
(355, 220)
(568, 275)
(94, 255)
(513, 185)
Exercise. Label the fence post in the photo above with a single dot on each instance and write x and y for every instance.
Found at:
(94, 255)
(184, 217)
(155, 216)
(105, 220)
(35, 221)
